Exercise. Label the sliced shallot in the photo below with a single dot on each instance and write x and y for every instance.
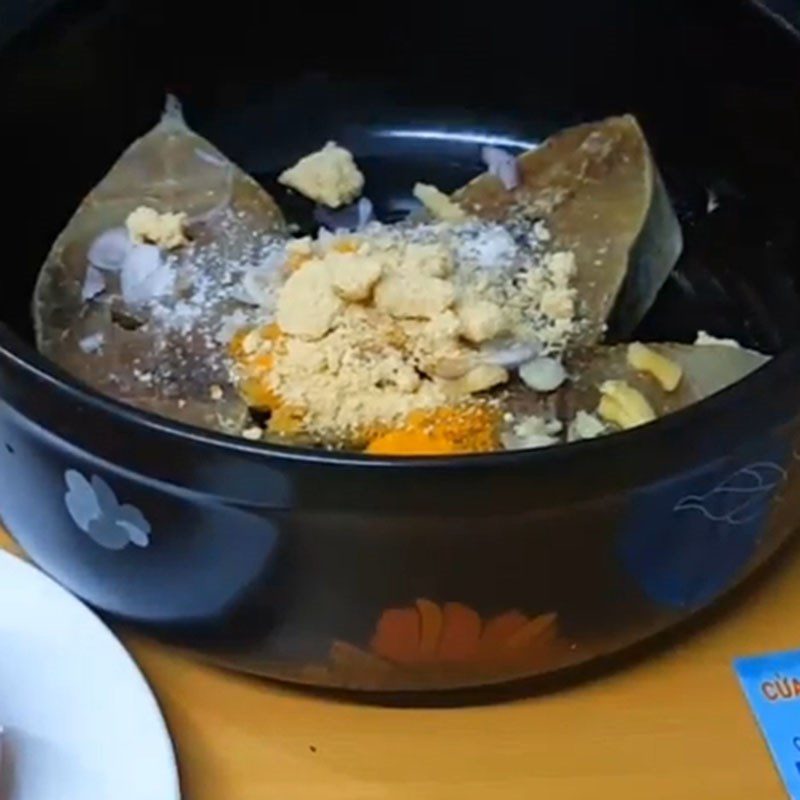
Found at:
(348, 218)
(93, 284)
(259, 280)
(502, 165)
(144, 275)
(509, 355)
(110, 249)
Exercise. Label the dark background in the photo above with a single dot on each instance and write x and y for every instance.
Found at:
(789, 10)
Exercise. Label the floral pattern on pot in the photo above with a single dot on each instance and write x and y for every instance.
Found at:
(740, 498)
(95, 509)
(429, 643)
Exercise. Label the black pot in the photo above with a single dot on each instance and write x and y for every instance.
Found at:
(343, 570)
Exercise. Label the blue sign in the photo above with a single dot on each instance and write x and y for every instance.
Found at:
(772, 686)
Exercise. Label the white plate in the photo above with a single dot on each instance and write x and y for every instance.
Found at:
(80, 721)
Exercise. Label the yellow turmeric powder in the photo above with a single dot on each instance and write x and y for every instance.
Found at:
(442, 431)
(254, 354)
(409, 442)
(286, 420)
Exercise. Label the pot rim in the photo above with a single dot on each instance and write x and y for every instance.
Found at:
(742, 396)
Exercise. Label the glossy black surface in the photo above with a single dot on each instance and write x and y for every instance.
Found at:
(266, 559)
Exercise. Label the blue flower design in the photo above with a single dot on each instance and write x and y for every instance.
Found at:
(96, 511)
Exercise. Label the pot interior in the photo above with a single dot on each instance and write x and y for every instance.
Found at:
(415, 94)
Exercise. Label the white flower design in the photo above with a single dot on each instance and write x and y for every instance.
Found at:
(96, 511)
(740, 498)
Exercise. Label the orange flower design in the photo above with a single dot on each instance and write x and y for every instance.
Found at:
(453, 633)
(430, 645)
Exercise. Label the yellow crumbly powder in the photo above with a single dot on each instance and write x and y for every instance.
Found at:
(354, 378)
(372, 330)
(540, 303)
(329, 176)
(147, 226)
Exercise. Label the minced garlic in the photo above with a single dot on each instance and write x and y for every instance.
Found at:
(533, 432)
(644, 359)
(585, 426)
(624, 406)
(438, 203)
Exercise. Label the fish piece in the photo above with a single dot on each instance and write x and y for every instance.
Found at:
(600, 196)
(154, 321)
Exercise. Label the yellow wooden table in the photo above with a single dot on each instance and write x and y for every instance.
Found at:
(672, 724)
